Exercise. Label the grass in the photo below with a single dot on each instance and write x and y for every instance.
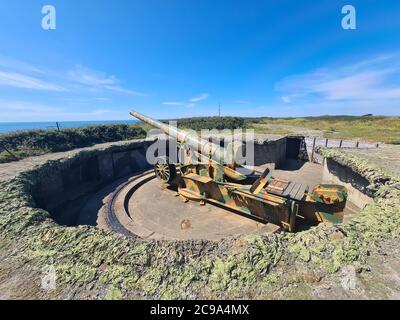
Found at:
(24, 144)
(367, 128)
(364, 128)
(247, 267)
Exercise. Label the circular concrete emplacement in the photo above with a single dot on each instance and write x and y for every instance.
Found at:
(142, 206)
(163, 215)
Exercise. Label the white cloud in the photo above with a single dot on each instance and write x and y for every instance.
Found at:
(101, 111)
(15, 110)
(173, 103)
(318, 108)
(241, 102)
(190, 103)
(15, 64)
(359, 86)
(85, 89)
(76, 100)
(96, 80)
(13, 79)
(201, 97)
(11, 75)
(372, 79)
(103, 99)
(180, 104)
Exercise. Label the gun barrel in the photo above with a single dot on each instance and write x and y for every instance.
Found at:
(193, 141)
(162, 126)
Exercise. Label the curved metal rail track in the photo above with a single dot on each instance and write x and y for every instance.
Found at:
(110, 216)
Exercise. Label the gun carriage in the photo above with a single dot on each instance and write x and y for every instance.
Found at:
(207, 173)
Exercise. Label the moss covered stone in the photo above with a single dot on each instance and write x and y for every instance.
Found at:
(122, 267)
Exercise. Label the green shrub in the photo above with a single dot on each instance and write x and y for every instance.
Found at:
(33, 142)
(210, 123)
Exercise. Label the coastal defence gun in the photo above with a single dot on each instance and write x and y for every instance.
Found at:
(205, 173)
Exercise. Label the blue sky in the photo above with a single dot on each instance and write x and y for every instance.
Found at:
(177, 58)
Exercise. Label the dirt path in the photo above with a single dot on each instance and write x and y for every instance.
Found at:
(12, 169)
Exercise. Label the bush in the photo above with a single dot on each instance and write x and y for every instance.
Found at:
(34, 142)
(210, 123)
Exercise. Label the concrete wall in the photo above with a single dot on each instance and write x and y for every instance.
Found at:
(63, 186)
(356, 185)
(270, 154)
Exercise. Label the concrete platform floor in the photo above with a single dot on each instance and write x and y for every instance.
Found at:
(301, 172)
(154, 212)
(155, 208)
(157, 214)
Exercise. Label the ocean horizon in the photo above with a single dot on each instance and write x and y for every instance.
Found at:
(7, 127)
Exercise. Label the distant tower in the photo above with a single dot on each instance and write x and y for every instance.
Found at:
(219, 110)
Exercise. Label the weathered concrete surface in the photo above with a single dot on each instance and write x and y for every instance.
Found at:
(12, 169)
(157, 214)
(152, 211)
(356, 185)
(301, 172)
(345, 261)
(63, 187)
(269, 153)
(386, 157)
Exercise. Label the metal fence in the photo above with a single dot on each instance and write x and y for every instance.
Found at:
(312, 143)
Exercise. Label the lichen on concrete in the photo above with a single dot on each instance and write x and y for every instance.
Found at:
(251, 266)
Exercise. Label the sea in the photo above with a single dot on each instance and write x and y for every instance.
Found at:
(6, 127)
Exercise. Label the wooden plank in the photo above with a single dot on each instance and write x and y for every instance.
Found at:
(280, 180)
(280, 184)
(295, 196)
(313, 150)
(276, 188)
(301, 193)
(295, 190)
(289, 188)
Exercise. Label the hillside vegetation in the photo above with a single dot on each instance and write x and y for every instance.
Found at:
(210, 123)
(364, 128)
(36, 142)
(367, 128)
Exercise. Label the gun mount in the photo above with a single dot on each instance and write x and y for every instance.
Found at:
(205, 175)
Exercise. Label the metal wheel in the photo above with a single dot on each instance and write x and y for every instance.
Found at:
(164, 170)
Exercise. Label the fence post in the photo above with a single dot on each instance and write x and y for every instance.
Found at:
(341, 143)
(326, 143)
(9, 152)
(313, 149)
(377, 145)
(58, 126)
(358, 144)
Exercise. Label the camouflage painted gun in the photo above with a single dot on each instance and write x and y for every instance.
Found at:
(212, 179)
